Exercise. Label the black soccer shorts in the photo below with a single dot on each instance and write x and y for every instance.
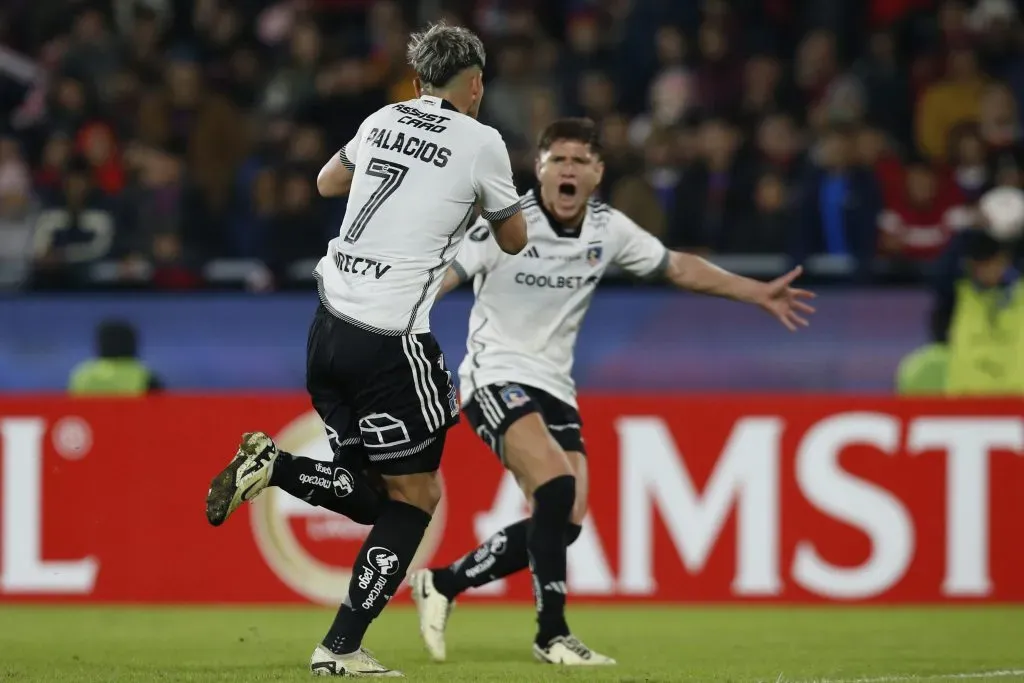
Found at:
(493, 408)
(392, 395)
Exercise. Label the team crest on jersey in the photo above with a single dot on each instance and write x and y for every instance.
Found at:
(514, 396)
(594, 254)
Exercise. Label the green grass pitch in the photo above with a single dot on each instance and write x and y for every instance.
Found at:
(862, 645)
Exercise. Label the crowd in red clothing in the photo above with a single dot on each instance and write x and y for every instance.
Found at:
(866, 129)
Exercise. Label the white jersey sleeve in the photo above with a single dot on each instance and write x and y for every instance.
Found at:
(639, 252)
(479, 252)
(492, 179)
(349, 154)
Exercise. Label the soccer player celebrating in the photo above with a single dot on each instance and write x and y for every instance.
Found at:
(415, 172)
(516, 379)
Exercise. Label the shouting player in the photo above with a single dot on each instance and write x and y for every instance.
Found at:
(516, 378)
(414, 173)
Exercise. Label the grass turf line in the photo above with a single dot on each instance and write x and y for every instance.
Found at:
(739, 645)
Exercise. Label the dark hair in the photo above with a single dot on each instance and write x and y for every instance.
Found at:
(439, 53)
(582, 130)
(979, 245)
(116, 339)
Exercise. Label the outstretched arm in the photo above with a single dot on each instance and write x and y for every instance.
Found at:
(783, 302)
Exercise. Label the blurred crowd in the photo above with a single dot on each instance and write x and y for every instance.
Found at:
(175, 143)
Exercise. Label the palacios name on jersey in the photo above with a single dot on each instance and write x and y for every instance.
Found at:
(409, 145)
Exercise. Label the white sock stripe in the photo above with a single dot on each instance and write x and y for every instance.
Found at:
(414, 367)
(436, 407)
(558, 428)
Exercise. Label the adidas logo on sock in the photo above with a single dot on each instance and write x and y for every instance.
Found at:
(531, 253)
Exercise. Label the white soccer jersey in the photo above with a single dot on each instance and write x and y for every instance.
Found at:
(420, 167)
(529, 307)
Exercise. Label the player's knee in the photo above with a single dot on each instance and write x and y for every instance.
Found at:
(555, 497)
(572, 533)
(421, 490)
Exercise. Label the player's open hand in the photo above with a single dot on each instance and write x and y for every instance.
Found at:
(787, 304)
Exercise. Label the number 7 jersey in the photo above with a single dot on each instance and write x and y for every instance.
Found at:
(420, 168)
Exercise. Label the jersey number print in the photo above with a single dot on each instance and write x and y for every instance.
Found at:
(391, 175)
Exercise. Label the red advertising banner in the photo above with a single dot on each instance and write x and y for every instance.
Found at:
(697, 499)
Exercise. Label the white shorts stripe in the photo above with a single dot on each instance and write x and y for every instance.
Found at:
(497, 404)
(434, 398)
(485, 408)
(418, 383)
(492, 412)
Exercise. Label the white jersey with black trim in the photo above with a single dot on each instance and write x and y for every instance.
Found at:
(420, 168)
(529, 307)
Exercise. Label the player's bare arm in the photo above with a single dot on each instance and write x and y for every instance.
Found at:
(334, 179)
(510, 234)
(787, 304)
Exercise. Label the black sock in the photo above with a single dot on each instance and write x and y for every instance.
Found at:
(501, 555)
(340, 486)
(546, 542)
(377, 572)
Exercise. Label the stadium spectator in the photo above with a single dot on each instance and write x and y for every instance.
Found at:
(161, 214)
(116, 370)
(75, 230)
(15, 214)
(508, 93)
(648, 195)
(886, 85)
(235, 91)
(951, 101)
(291, 238)
(979, 316)
(918, 222)
(95, 142)
(968, 160)
(187, 118)
(707, 197)
(763, 91)
(840, 203)
(719, 78)
(816, 68)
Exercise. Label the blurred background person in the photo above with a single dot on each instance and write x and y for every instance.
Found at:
(977, 323)
(116, 370)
